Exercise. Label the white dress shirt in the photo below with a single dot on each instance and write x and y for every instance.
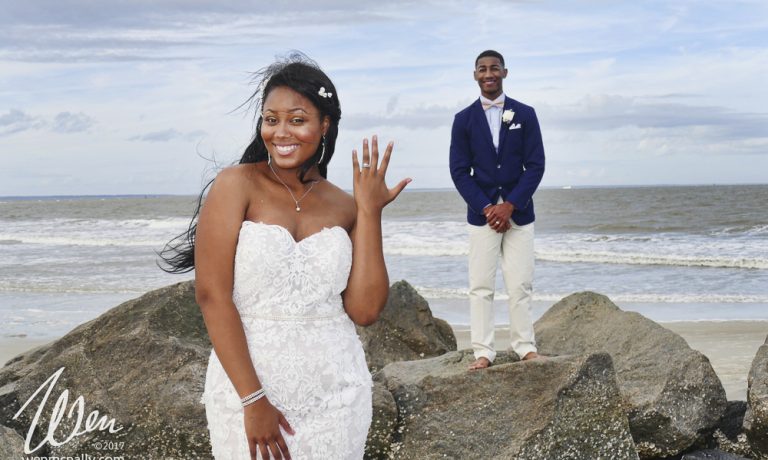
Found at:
(493, 115)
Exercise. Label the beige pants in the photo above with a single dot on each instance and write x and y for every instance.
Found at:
(515, 246)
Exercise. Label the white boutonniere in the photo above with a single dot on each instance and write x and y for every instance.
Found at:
(507, 116)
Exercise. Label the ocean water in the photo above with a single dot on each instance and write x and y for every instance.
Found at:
(671, 253)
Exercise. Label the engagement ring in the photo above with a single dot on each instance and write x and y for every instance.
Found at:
(366, 165)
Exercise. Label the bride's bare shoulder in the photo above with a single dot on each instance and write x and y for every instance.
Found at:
(250, 173)
(343, 203)
(238, 183)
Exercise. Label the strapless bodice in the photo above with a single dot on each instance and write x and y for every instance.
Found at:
(280, 278)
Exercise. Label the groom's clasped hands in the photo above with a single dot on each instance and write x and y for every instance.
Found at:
(498, 216)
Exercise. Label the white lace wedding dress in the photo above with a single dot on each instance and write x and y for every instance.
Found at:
(302, 343)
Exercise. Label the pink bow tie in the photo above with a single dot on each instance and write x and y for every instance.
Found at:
(488, 105)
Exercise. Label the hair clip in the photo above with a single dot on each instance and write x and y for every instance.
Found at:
(322, 92)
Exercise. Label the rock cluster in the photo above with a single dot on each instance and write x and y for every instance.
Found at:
(141, 363)
(674, 398)
(615, 385)
(756, 418)
(559, 408)
(406, 330)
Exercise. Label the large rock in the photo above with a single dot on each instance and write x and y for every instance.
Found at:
(141, 363)
(406, 330)
(711, 454)
(674, 398)
(560, 408)
(11, 444)
(381, 432)
(732, 423)
(729, 435)
(756, 418)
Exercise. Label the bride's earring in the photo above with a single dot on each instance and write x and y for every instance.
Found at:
(269, 159)
(322, 153)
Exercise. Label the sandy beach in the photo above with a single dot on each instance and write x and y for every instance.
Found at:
(729, 345)
(14, 346)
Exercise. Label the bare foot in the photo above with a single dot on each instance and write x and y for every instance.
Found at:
(480, 363)
(531, 355)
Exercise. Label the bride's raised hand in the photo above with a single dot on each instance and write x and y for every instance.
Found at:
(370, 189)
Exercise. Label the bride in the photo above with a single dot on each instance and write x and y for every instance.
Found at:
(285, 264)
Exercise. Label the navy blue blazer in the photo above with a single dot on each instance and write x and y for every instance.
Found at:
(481, 175)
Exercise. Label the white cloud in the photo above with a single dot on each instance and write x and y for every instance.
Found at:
(66, 122)
(17, 121)
(169, 135)
(606, 112)
(623, 91)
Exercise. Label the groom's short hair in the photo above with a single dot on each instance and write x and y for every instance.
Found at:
(490, 53)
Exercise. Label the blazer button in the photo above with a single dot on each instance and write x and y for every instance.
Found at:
(499, 188)
(498, 166)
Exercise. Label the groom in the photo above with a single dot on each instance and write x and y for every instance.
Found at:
(497, 162)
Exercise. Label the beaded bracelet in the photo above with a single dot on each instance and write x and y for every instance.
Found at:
(253, 397)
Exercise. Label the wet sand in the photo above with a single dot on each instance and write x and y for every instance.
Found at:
(14, 346)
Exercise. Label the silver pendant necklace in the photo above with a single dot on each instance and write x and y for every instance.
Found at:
(298, 208)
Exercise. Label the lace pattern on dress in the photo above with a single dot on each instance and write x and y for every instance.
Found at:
(304, 347)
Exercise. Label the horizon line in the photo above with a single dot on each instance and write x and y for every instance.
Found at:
(424, 189)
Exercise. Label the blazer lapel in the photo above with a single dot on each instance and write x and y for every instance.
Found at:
(505, 126)
(481, 123)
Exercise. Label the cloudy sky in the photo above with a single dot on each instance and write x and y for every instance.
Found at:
(124, 97)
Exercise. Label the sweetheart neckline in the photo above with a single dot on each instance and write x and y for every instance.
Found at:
(322, 230)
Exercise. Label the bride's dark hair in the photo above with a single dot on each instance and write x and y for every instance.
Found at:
(301, 74)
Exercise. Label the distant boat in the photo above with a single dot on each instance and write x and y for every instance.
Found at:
(567, 187)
